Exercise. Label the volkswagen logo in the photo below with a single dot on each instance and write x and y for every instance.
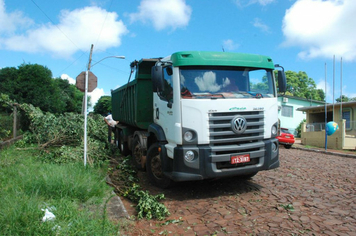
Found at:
(239, 124)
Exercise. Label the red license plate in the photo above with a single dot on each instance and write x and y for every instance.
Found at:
(240, 159)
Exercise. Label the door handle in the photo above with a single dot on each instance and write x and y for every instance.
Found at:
(157, 113)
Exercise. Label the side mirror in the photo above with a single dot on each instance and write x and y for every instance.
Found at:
(282, 81)
(157, 78)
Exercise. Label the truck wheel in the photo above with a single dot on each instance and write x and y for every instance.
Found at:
(154, 168)
(137, 153)
(117, 139)
(123, 145)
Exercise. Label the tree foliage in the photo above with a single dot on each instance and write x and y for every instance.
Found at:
(60, 136)
(300, 85)
(345, 99)
(103, 106)
(33, 84)
(71, 97)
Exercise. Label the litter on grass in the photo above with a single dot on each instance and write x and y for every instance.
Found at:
(48, 215)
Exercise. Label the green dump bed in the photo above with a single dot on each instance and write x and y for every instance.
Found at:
(132, 104)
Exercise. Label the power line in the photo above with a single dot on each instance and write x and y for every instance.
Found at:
(72, 62)
(54, 24)
(107, 12)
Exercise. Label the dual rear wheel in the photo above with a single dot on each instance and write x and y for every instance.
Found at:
(120, 142)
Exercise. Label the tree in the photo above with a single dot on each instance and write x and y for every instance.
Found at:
(8, 83)
(344, 99)
(300, 85)
(70, 95)
(103, 106)
(33, 84)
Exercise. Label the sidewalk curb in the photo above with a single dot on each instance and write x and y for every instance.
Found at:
(325, 152)
(118, 209)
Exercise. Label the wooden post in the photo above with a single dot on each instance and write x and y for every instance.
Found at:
(14, 129)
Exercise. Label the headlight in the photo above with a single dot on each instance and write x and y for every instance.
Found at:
(274, 130)
(274, 147)
(189, 156)
(188, 136)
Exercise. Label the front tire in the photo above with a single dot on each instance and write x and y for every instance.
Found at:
(287, 146)
(154, 168)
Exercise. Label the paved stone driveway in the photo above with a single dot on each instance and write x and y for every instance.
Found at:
(309, 194)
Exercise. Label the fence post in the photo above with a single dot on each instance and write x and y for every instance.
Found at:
(14, 129)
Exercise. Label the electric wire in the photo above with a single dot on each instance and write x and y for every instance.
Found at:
(54, 24)
(102, 26)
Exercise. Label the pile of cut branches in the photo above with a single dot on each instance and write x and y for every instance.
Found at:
(60, 136)
(124, 180)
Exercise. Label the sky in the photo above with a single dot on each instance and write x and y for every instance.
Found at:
(300, 35)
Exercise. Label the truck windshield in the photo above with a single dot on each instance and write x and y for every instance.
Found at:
(226, 82)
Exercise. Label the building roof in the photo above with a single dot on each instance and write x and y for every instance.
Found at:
(302, 99)
(327, 105)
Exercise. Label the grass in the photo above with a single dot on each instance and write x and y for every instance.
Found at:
(74, 194)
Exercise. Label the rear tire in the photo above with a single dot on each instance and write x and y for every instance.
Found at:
(137, 153)
(154, 168)
(123, 145)
(287, 146)
(117, 139)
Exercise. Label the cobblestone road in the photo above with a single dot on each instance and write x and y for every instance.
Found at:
(309, 194)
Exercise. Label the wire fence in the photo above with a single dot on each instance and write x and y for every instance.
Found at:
(312, 127)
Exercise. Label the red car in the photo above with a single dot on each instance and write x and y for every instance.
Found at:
(286, 138)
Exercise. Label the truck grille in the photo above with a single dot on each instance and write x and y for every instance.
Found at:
(224, 143)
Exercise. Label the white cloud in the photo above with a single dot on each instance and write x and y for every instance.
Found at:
(323, 28)
(9, 22)
(229, 44)
(95, 95)
(207, 82)
(257, 22)
(264, 2)
(163, 13)
(244, 3)
(76, 30)
(67, 77)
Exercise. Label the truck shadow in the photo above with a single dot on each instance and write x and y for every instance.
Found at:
(202, 189)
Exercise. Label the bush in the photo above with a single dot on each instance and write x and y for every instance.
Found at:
(5, 117)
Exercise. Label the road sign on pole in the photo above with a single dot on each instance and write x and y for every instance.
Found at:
(92, 81)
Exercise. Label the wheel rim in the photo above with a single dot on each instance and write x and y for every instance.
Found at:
(156, 166)
(137, 153)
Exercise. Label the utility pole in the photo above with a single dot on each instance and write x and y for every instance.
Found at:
(85, 106)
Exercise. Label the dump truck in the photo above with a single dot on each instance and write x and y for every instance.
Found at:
(198, 115)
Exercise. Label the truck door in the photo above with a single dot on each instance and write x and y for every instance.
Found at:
(165, 105)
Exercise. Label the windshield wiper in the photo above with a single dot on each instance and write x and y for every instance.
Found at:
(212, 96)
(248, 94)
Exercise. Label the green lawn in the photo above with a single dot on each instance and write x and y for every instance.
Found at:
(74, 194)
